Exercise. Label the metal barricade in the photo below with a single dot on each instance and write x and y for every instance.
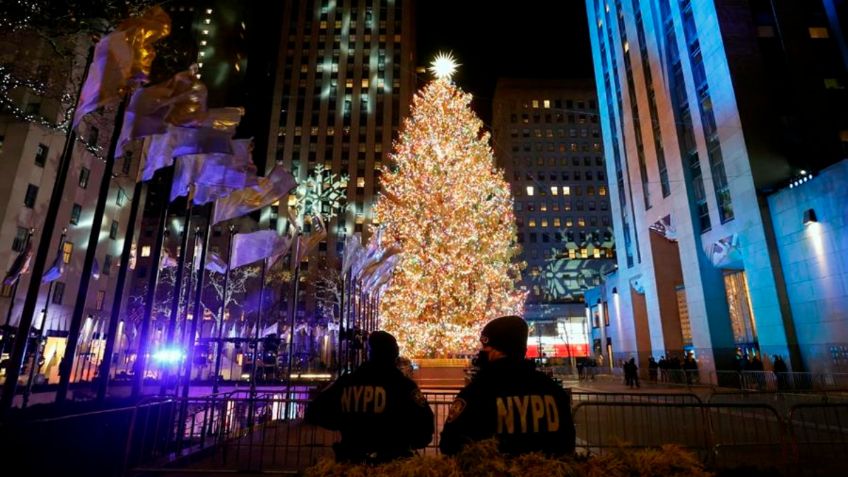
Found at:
(718, 433)
(820, 434)
(661, 398)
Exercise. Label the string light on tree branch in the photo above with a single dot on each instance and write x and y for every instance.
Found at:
(451, 211)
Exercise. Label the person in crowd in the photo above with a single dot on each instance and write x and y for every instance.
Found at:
(525, 410)
(652, 369)
(382, 415)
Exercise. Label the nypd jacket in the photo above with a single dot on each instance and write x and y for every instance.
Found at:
(381, 414)
(524, 409)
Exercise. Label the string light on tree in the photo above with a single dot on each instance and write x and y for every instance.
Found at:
(451, 211)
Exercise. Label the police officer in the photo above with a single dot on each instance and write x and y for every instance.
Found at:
(381, 413)
(523, 408)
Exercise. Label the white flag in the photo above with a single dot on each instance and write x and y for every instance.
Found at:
(56, 270)
(269, 189)
(248, 248)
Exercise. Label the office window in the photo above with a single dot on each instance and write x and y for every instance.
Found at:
(531, 222)
(113, 230)
(556, 222)
(818, 32)
(19, 243)
(566, 190)
(85, 173)
(100, 300)
(554, 190)
(41, 155)
(145, 251)
(121, 199)
(76, 210)
(530, 190)
(107, 264)
(58, 292)
(67, 251)
(31, 195)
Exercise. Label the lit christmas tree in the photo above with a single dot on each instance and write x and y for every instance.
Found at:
(450, 209)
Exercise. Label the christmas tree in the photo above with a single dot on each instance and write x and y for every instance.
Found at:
(450, 209)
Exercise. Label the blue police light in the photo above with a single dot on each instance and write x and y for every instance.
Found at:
(168, 355)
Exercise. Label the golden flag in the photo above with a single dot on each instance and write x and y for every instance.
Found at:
(179, 101)
(142, 32)
(120, 57)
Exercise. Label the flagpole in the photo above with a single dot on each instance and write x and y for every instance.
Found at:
(295, 257)
(150, 298)
(256, 343)
(123, 267)
(185, 298)
(66, 365)
(7, 328)
(219, 348)
(36, 353)
(342, 303)
(178, 281)
(40, 331)
(204, 240)
(13, 369)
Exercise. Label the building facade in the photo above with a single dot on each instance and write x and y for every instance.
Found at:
(344, 81)
(706, 108)
(30, 152)
(547, 138)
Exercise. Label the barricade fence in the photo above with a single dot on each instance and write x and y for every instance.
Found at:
(233, 432)
(264, 432)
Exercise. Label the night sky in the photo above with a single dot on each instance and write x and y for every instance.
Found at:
(518, 39)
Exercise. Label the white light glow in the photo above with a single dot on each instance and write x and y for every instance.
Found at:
(443, 66)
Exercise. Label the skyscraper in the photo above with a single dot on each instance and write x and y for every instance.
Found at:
(345, 78)
(547, 138)
(707, 107)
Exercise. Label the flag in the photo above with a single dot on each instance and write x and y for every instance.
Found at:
(19, 266)
(119, 57)
(167, 260)
(95, 270)
(268, 190)
(216, 264)
(272, 329)
(352, 244)
(372, 254)
(215, 175)
(382, 274)
(179, 101)
(248, 248)
(57, 269)
(319, 233)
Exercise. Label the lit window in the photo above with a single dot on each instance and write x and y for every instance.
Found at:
(547, 103)
(581, 222)
(360, 218)
(543, 207)
(208, 11)
(626, 46)
(596, 253)
(67, 251)
(535, 103)
(365, 83)
(554, 190)
(208, 21)
(544, 222)
(530, 190)
(556, 222)
(584, 253)
(205, 32)
(819, 32)
(566, 190)
(145, 251)
(602, 190)
(360, 182)
(569, 222)
(531, 223)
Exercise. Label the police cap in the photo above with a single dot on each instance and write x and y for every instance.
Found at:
(382, 346)
(507, 334)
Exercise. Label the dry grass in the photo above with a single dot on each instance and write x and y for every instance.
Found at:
(483, 459)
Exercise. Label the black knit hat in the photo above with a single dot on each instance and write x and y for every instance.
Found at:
(382, 346)
(507, 334)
